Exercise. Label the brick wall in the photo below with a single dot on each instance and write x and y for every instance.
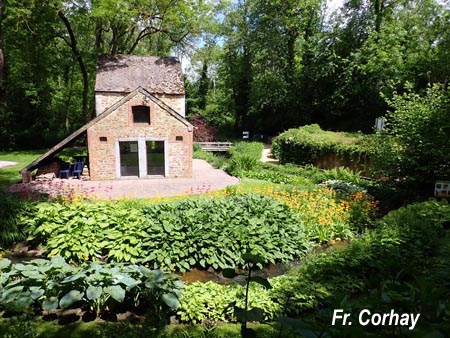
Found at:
(119, 124)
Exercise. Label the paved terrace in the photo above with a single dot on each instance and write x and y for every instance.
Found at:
(205, 178)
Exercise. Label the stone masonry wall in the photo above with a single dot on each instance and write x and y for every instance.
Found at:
(119, 124)
(104, 100)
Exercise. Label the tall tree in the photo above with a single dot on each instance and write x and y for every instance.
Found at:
(266, 45)
(4, 114)
(72, 42)
(3, 99)
(122, 25)
(236, 62)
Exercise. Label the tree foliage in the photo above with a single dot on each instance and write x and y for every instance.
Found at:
(263, 66)
(414, 145)
(50, 50)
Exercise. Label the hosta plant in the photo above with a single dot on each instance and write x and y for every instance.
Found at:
(48, 285)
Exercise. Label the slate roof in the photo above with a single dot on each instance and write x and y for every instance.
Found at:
(124, 73)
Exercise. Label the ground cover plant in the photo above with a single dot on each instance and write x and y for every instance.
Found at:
(48, 285)
(402, 264)
(327, 214)
(177, 236)
(23, 327)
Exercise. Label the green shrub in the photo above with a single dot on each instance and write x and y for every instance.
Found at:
(178, 236)
(244, 156)
(252, 149)
(343, 187)
(294, 174)
(308, 144)
(47, 285)
(216, 232)
(277, 176)
(414, 145)
(404, 240)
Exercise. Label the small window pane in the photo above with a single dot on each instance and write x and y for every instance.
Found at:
(141, 114)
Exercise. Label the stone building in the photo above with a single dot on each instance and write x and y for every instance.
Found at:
(140, 128)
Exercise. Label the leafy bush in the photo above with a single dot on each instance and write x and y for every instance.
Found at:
(216, 232)
(43, 285)
(244, 156)
(180, 235)
(308, 144)
(241, 156)
(326, 214)
(297, 175)
(404, 240)
(277, 177)
(86, 231)
(414, 144)
(252, 149)
(202, 131)
(343, 187)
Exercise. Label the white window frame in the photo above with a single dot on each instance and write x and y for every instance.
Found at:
(142, 156)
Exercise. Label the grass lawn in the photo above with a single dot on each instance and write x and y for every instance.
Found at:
(10, 175)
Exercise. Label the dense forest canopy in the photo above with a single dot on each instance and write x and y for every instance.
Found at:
(259, 65)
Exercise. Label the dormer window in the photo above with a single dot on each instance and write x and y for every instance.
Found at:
(141, 114)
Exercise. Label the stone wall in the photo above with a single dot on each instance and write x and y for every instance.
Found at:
(333, 160)
(104, 100)
(103, 135)
(176, 102)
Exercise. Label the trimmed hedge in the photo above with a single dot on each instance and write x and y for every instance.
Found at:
(310, 144)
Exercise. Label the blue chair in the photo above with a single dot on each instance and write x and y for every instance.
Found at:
(65, 171)
(78, 169)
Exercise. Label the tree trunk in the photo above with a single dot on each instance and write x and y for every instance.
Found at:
(98, 37)
(3, 96)
(73, 45)
(378, 10)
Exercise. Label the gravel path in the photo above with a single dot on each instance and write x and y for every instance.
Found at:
(267, 154)
(205, 178)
